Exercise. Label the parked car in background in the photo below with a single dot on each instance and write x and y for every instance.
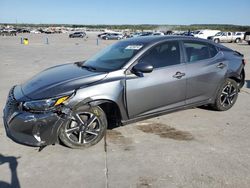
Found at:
(102, 34)
(158, 34)
(247, 37)
(204, 34)
(113, 36)
(77, 35)
(169, 32)
(143, 34)
(227, 37)
(187, 33)
(22, 30)
(8, 32)
(136, 34)
(131, 80)
(35, 31)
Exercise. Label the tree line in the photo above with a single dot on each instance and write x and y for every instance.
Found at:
(141, 27)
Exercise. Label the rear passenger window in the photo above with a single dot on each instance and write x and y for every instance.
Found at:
(197, 51)
(213, 50)
(163, 55)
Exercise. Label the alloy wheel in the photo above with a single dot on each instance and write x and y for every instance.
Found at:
(228, 95)
(83, 128)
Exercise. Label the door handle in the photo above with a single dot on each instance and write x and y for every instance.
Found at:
(179, 75)
(221, 65)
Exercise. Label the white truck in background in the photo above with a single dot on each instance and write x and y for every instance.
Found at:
(228, 37)
(204, 34)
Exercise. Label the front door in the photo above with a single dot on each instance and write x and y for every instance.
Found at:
(162, 89)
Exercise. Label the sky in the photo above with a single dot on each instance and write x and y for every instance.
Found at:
(170, 12)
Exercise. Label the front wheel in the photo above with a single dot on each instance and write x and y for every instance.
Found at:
(216, 40)
(86, 127)
(227, 95)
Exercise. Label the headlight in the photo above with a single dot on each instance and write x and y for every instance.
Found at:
(46, 104)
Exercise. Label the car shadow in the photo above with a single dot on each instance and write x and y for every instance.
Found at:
(207, 107)
(12, 161)
(247, 83)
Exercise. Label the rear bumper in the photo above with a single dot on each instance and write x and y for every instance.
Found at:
(31, 129)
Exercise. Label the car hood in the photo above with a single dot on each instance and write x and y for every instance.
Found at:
(59, 80)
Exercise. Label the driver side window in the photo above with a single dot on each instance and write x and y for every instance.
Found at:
(162, 55)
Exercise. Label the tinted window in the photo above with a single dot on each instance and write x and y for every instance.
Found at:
(162, 55)
(213, 50)
(197, 51)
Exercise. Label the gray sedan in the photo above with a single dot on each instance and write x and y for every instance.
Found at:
(112, 36)
(128, 81)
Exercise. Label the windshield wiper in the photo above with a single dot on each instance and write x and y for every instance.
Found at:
(89, 68)
(81, 64)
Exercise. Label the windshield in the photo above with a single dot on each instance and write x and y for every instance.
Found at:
(219, 34)
(196, 32)
(113, 57)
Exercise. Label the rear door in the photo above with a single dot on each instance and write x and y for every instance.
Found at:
(224, 37)
(205, 70)
(161, 89)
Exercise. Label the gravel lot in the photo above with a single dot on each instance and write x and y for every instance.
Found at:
(191, 148)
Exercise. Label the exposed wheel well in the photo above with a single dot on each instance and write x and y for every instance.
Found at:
(240, 81)
(235, 79)
(112, 112)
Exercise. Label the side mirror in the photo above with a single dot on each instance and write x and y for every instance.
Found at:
(141, 68)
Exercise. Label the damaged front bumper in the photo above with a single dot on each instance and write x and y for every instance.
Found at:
(33, 129)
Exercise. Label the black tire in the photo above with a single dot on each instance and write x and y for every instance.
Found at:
(238, 40)
(71, 129)
(227, 95)
(217, 40)
(242, 79)
(248, 42)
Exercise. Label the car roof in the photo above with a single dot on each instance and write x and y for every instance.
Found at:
(156, 39)
(150, 40)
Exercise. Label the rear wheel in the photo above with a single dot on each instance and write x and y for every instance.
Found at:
(242, 79)
(227, 95)
(237, 40)
(86, 127)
